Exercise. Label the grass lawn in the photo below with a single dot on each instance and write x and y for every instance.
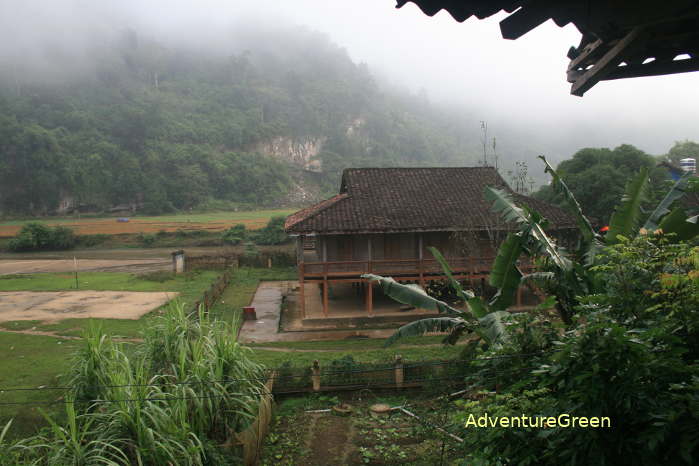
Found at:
(191, 286)
(31, 361)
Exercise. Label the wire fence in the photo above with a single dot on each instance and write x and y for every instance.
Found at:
(341, 375)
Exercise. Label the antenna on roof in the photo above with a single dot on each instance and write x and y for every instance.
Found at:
(484, 141)
(495, 156)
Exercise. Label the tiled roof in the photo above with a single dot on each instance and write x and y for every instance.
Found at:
(414, 199)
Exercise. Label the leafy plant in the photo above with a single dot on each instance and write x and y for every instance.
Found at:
(35, 236)
(235, 234)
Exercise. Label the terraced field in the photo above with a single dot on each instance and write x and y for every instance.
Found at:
(218, 221)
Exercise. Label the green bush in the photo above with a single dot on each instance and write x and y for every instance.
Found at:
(273, 233)
(91, 240)
(35, 236)
(631, 357)
(235, 234)
(146, 239)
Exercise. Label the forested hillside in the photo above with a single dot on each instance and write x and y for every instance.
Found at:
(154, 127)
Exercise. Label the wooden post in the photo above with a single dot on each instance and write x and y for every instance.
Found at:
(519, 296)
(302, 291)
(370, 298)
(302, 271)
(399, 371)
(315, 376)
(369, 284)
(325, 289)
(419, 255)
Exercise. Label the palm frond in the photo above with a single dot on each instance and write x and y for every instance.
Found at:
(627, 214)
(411, 295)
(433, 324)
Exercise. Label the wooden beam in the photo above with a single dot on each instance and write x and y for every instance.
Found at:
(609, 61)
(531, 15)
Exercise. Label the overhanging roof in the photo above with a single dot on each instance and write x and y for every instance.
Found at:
(620, 39)
(392, 200)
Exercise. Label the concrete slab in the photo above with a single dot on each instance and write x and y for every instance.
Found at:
(53, 306)
(271, 297)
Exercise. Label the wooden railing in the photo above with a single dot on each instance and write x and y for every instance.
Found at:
(398, 267)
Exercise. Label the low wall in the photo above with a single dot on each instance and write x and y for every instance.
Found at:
(214, 292)
(225, 261)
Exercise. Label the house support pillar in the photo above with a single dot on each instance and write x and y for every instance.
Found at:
(419, 255)
(369, 284)
(300, 261)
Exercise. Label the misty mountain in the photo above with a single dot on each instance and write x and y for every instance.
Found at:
(159, 127)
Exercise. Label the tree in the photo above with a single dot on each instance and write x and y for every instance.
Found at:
(682, 150)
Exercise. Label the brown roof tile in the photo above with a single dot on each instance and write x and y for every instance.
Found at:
(413, 199)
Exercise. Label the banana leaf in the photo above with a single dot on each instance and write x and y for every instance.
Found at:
(530, 223)
(455, 325)
(491, 328)
(677, 222)
(663, 208)
(505, 275)
(463, 294)
(412, 295)
(627, 215)
(559, 186)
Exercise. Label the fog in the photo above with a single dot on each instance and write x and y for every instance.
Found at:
(518, 87)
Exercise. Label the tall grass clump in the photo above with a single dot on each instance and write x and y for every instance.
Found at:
(174, 399)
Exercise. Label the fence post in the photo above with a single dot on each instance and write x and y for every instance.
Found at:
(315, 376)
(398, 371)
(269, 262)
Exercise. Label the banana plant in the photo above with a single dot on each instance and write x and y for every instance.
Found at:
(479, 319)
(669, 217)
(627, 214)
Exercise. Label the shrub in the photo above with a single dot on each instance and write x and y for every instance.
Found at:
(235, 234)
(146, 239)
(273, 233)
(35, 236)
(91, 240)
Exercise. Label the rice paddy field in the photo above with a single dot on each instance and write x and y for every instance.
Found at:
(212, 222)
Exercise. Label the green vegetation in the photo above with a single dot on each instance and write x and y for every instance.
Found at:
(629, 348)
(597, 176)
(35, 236)
(175, 400)
(31, 361)
(170, 129)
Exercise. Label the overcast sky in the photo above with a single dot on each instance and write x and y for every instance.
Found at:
(519, 85)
